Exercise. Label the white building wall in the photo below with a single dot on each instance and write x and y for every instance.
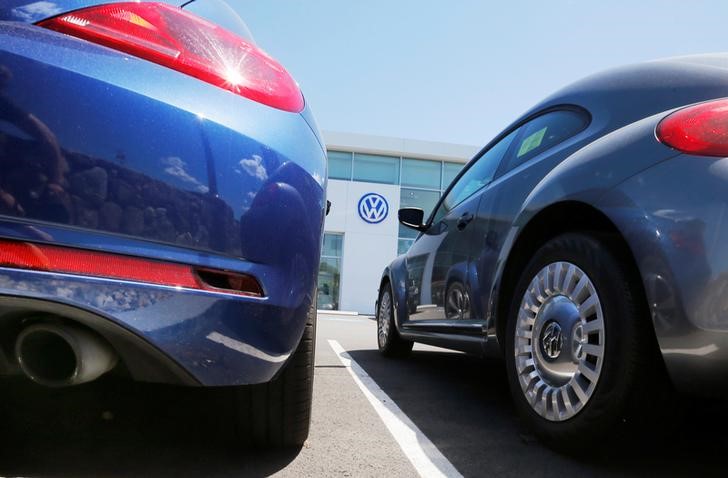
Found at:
(367, 248)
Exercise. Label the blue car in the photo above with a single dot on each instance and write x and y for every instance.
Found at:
(588, 244)
(162, 198)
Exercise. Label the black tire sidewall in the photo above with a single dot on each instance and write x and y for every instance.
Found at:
(395, 345)
(387, 346)
(278, 413)
(613, 287)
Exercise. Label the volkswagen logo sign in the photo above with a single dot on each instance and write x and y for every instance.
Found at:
(552, 340)
(373, 208)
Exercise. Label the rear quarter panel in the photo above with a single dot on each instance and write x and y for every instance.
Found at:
(674, 218)
(104, 151)
(585, 175)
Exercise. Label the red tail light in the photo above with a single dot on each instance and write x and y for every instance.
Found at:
(701, 129)
(42, 257)
(182, 41)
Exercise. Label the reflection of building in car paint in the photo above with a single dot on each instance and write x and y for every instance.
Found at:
(406, 173)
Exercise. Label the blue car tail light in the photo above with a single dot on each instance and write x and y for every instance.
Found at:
(43, 257)
(700, 129)
(180, 40)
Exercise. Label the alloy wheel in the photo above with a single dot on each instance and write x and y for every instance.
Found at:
(384, 318)
(559, 341)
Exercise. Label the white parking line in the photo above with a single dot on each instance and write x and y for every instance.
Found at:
(421, 452)
(361, 320)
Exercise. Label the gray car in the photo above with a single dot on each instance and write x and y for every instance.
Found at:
(588, 243)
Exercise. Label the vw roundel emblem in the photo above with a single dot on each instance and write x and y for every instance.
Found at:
(373, 208)
(552, 340)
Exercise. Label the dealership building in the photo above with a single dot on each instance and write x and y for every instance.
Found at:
(370, 178)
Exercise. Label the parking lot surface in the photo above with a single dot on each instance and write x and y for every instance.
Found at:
(451, 415)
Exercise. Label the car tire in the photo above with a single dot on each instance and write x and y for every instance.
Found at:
(278, 413)
(390, 343)
(609, 361)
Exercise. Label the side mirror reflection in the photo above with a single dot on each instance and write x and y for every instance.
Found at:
(412, 217)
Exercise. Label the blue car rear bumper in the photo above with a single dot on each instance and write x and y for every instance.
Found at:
(103, 151)
(208, 338)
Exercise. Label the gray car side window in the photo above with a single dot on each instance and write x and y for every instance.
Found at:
(542, 133)
(475, 177)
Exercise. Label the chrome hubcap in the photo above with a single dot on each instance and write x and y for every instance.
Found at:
(559, 341)
(383, 318)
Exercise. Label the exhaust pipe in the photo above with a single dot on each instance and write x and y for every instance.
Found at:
(58, 355)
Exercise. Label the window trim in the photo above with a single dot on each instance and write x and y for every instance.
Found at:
(573, 108)
(501, 136)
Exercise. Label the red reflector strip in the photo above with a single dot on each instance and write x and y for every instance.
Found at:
(42, 257)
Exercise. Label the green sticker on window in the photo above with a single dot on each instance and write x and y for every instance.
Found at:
(532, 142)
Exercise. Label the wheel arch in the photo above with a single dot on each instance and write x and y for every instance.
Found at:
(551, 221)
(395, 275)
(384, 281)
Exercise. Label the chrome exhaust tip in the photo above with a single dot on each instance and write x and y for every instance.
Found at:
(58, 355)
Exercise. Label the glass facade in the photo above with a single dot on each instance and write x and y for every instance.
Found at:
(403, 245)
(408, 172)
(372, 168)
(426, 200)
(329, 277)
(339, 165)
(449, 172)
(422, 181)
(419, 173)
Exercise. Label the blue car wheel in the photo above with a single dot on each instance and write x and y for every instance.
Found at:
(278, 413)
(577, 343)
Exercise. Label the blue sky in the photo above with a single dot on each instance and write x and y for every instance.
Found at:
(460, 70)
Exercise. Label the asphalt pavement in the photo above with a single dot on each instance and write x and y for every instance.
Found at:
(435, 413)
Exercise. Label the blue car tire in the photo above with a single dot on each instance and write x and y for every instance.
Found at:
(278, 413)
(576, 338)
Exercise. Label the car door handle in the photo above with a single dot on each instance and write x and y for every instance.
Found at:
(464, 220)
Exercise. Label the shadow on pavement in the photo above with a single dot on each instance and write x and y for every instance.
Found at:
(463, 405)
(119, 428)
